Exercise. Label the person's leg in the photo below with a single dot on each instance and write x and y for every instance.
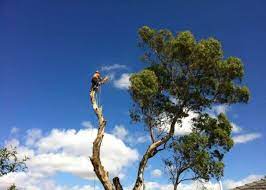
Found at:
(93, 84)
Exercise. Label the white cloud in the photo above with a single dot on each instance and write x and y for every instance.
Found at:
(123, 82)
(236, 128)
(87, 124)
(113, 67)
(32, 136)
(246, 137)
(220, 109)
(135, 139)
(142, 139)
(229, 184)
(12, 143)
(157, 186)
(199, 185)
(30, 181)
(66, 151)
(14, 130)
(183, 128)
(156, 173)
(216, 110)
(186, 125)
(120, 132)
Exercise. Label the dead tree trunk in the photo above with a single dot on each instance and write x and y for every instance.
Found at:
(99, 169)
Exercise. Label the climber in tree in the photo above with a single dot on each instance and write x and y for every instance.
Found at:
(97, 80)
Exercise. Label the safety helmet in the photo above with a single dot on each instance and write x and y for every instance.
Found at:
(97, 71)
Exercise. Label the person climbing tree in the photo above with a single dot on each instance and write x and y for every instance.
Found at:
(97, 80)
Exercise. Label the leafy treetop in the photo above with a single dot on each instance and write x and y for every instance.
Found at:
(193, 73)
(183, 76)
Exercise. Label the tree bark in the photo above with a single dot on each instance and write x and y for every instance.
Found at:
(117, 184)
(99, 169)
(176, 183)
(150, 152)
(175, 186)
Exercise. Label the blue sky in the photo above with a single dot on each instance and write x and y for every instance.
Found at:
(49, 49)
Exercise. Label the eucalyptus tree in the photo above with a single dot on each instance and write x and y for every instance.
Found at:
(180, 76)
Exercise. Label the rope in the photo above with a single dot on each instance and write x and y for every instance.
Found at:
(99, 95)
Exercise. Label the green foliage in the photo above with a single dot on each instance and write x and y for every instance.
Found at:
(202, 151)
(9, 161)
(193, 72)
(12, 187)
(185, 75)
(145, 86)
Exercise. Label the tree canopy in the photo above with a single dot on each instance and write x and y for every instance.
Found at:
(183, 76)
(192, 72)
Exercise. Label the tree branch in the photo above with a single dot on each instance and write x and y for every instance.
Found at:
(150, 152)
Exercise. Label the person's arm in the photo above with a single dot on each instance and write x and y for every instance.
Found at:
(104, 79)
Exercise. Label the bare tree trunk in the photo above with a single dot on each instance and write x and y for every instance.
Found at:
(176, 183)
(99, 169)
(150, 152)
(117, 184)
(175, 186)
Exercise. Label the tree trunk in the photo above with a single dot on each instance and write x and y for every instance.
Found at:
(176, 182)
(99, 169)
(117, 184)
(175, 186)
(150, 152)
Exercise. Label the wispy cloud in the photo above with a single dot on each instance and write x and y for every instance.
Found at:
(120, 132)
(216, 110)
(113, 67)
(123, 82)
(246, 137)
(132, 139)
(221, 109)
(87, 124)
(183, 128)
(230, 184)
(156, 173)
(14, 130)
(236, 128)
(227, 184)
